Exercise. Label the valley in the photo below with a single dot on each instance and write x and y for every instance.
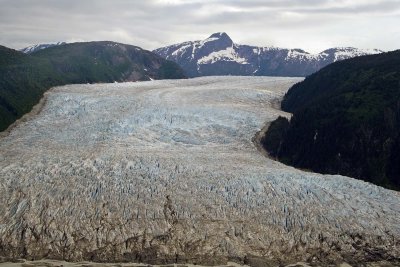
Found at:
(166, 172)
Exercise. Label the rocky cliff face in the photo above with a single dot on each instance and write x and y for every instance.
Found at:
(219, 55)
(165, 171)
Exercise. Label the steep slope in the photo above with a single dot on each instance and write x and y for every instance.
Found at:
(166, 172)
(24, 78)
(219, 55)
(37, 47)
(9, 56)
(346, 119)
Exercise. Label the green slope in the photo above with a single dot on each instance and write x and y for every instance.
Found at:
(346, 120)
(24, 78)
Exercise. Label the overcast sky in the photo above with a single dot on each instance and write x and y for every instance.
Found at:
(313, 25)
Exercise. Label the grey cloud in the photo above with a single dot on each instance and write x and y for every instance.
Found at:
(310, 24)
(385, 8)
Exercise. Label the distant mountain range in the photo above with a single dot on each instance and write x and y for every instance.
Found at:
(37, 47)
(219, 55)
(25, 77)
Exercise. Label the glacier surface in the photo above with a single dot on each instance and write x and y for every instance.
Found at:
(167, 170)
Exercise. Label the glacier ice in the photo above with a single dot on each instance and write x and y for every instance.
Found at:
(168, 169)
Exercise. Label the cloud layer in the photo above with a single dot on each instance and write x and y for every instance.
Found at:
(313, 25)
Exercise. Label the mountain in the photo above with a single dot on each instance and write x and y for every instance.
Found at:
(219, 55)
(346, 120)
(9, 56)
(108, 62)
(37, 47)
(25, 77)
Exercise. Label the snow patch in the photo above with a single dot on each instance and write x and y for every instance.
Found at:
(301, 56)
(180, 50)
(37, 47)
(350, 52)
(204, 42)
(229, 54)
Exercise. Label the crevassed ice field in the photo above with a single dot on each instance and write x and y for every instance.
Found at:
(167, 170)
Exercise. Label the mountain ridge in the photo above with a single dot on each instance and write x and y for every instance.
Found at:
(36, 47)
(219, 55)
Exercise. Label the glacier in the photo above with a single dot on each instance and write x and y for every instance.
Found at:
(166, 171)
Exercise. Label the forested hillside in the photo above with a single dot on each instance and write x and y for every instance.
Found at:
(346, 120)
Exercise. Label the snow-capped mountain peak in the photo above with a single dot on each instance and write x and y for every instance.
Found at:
(218, 47)
(37, 47)
(216, 42)
(222, 36)
(219, 55)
